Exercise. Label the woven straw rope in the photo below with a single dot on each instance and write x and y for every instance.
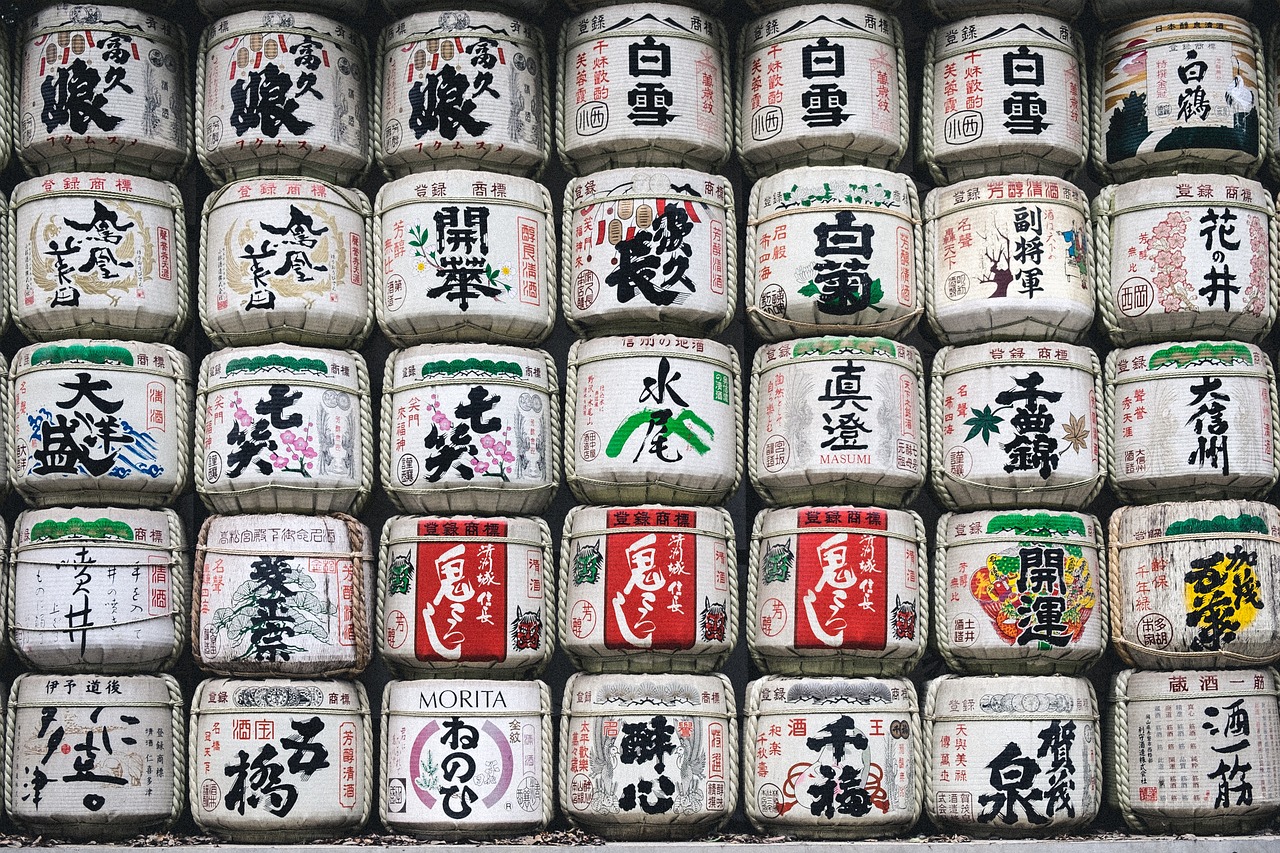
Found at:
(408, 668)
(525, 500)
(295, 833)
(761, 320)
(1105, 218)
(296, 668)
(940, 478)
(458, 829)
(355, 200)
(589, 490)
(669, 319)
(7, 87)
(1125, 491)
(1015, 327)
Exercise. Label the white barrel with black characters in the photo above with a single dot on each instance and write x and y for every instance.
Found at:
(286, 260)
(99, 422)
(654, 419)
(648, 757)
(279, 594)
(282, 93)
(466, 759)
(1016, 425)
(284, 429)
(347, 9)
(822, 85)
(1195, 584)
(834, 250)
(1008, 259)
(832, 757)
(1183, 92)
(1191, 420)
(1004, 93)
(1012, 756)
(465, 256)
(91, 757)
(1186, 256)
(102, 88)
(465, 594)
(1020, 592)
(281, 760)
(672, 261)
(837, 590)
(101, 590)
(648, 588)
(643, 84)
(1195, 750)
(470, 428)
(837, 420)
(98, 255)
(462, 89)
(950, 10)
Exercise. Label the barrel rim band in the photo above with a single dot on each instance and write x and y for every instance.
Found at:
(536, 207)
(727, 363)
(1128, 698)
(173, 614)
(664, 197)
(646, 710)
(174, 42)
(1192, 371)
(904, 215)
(496, 540)
(296, 381)
(1113, 50)
(169, 374)
(1196, 537)
(969, 207)
(988, 539)
(351, 45)
(64, 702)
(950, 370)
(389, 713)
(495, 380)
(911, 366)
(711, 41)
(1116, 213)
(350, 556)
(169, 203)
(413, 38)
(1020, 717)
(355, 711)
(1056, 487)
(570, 535)
(217, 203)
(998, 43)
(765, 536)
(845, 34)
(174, 559)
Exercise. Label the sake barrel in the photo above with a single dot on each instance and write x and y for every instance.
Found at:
(832, 757)
(98, 255)
(461, 89)
(1016, 425)
(643, 84)
(100, 422)
(822, 85)
(648, 589)
(950, 10)
(837, 590)
(837, 420)
(1020, 592)
(102, 89)
(1008, 259)
(466, 256)
(1185, 256)
(92, 757)
(834, 250)
(101, 590)
(1012, 756)
(648, 757)
(436, 737)
(1196, 750)
(465, 594)
(298, 762)
(286, 260)
(529, 8)
(1003, 94)
(672, 261)
(282, 93)
(667, 409)
(1194, 584)
(470, 428)
(280, 594)
(1191, 420)
(1181, 93)
(284, 429)
(1112, 10)
(347, 9)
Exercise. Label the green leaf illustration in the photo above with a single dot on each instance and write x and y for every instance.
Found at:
(984, 421)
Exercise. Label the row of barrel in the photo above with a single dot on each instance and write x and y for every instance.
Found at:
(291, 760)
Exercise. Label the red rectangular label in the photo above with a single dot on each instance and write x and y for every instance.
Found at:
(841, 584)
(462, 600)
(651, 590)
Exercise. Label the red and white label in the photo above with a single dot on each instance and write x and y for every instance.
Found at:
(841, 588)
(462, 600)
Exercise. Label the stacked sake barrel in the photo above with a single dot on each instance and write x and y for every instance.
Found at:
(283, 599)
(648, 562)
(98, 440)
(470, 430)
(1018, 587)
(1185, 275)
(836, 611)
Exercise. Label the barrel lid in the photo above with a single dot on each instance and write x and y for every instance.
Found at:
(593, 520)
(285, 363)
(1190, 358)
(245, 23)
(426, 364)
(460, 24)
(89, 690)
(836, 347)
(778, 695)
(588, 695)
(401, 529)
(159, 359)
(101, 18)
(447, 186)
(231, 695)
(288, 533)
(1010, 697)
(1187, 684)
(115, 185)
(818, 20)
(977, 528)
(630, 20)
(114, 526)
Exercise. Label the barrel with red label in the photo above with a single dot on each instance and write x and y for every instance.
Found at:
(463, 594)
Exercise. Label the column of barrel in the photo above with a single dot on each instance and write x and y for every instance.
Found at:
(99, 437)
(653, 450)
(836, 611)
(1018, 447)
(1185, 276)
(470, 425)
(281, 737)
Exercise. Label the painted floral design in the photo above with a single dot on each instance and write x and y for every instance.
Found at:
(1163, 247)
